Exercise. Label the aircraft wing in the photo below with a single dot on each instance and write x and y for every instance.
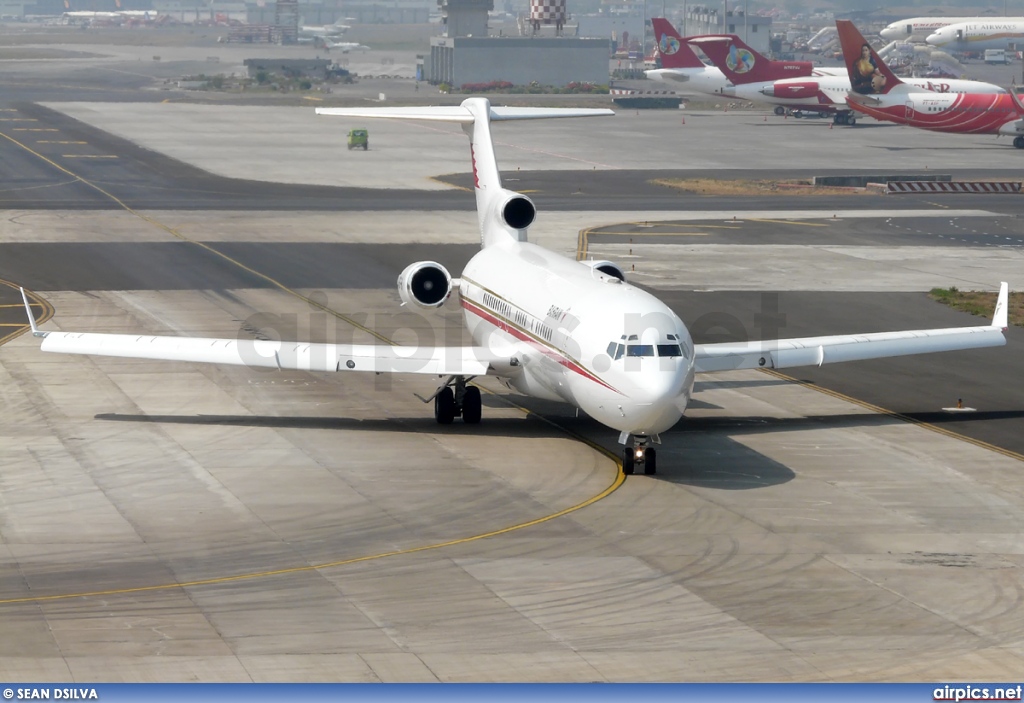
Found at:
(269, 354)
(815, 351)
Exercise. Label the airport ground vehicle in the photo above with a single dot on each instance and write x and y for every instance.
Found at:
(358, 138)
(995, 56)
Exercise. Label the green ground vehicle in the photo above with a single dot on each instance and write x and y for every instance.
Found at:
(358, 138)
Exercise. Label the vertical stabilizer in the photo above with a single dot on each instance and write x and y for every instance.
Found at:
(869, 75)
(486, 177)
(673, 49)
(503, 215)
(742, 64)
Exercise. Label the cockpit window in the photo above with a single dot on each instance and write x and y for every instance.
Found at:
(640, 350)
(615, 350)
(669, 350)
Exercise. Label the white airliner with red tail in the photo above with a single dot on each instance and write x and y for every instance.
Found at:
(822, 93)
(878, 92)
(680, 64)
(545, 325)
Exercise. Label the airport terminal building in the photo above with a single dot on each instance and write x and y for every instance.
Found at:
(554, 61)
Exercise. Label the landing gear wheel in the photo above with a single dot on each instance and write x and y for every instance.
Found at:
(779, 110)
(627, 461)
(822, 114)
(650, 462)
(851, 120)
(444, 406)
(1018, 142)
(471, 406)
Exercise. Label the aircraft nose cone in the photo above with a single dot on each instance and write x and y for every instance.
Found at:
(658, 399)
(934, 39)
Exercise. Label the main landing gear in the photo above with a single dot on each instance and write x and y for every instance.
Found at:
(1018, 142)
(640, 455)
(847, 118)
(456, 399)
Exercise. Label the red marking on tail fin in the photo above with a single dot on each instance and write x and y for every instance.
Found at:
(673, 49)
(869, 75)
(742, 64)
(472, 157)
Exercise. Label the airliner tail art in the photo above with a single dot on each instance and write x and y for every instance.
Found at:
(877, 92)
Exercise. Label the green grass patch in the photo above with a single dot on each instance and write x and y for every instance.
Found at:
(712, 186)
(979, 303)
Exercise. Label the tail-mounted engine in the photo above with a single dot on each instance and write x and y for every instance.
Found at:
(426, 284)
(607, 268)
(516, 211)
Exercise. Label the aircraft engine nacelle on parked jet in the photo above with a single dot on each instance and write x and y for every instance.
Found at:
(608, 268)
(426, 284)
(795, 89)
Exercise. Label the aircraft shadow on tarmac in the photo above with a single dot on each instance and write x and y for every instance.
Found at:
(757, 424)
(699, 452)
(968, 147)
(420, 424)
(708, 461)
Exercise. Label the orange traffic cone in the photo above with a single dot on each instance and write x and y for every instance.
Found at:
(683, 121)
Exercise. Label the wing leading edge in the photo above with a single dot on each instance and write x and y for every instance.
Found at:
(815, 351)
(269, 354)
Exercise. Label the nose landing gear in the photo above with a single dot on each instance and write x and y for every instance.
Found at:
(640, 455)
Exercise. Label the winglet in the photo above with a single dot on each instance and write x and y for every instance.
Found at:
(31, 317)
(1001, 317)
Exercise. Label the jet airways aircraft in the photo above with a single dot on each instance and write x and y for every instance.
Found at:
(879, 93)
(544, 324)
(918, 28)
(819, 93)
(979, 34)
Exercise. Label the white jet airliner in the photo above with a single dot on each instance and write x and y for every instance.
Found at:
(544, 324)
(919, 27)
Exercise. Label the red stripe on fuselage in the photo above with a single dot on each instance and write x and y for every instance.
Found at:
(549, 352)
(976, 113)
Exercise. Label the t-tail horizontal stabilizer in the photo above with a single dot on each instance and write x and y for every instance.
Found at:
(502, 214)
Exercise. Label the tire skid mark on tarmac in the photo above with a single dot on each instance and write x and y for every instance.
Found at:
(618, 480)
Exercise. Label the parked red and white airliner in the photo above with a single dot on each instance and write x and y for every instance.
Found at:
(680, 64)
(544, 324)
(822, 93)
(878, 92)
